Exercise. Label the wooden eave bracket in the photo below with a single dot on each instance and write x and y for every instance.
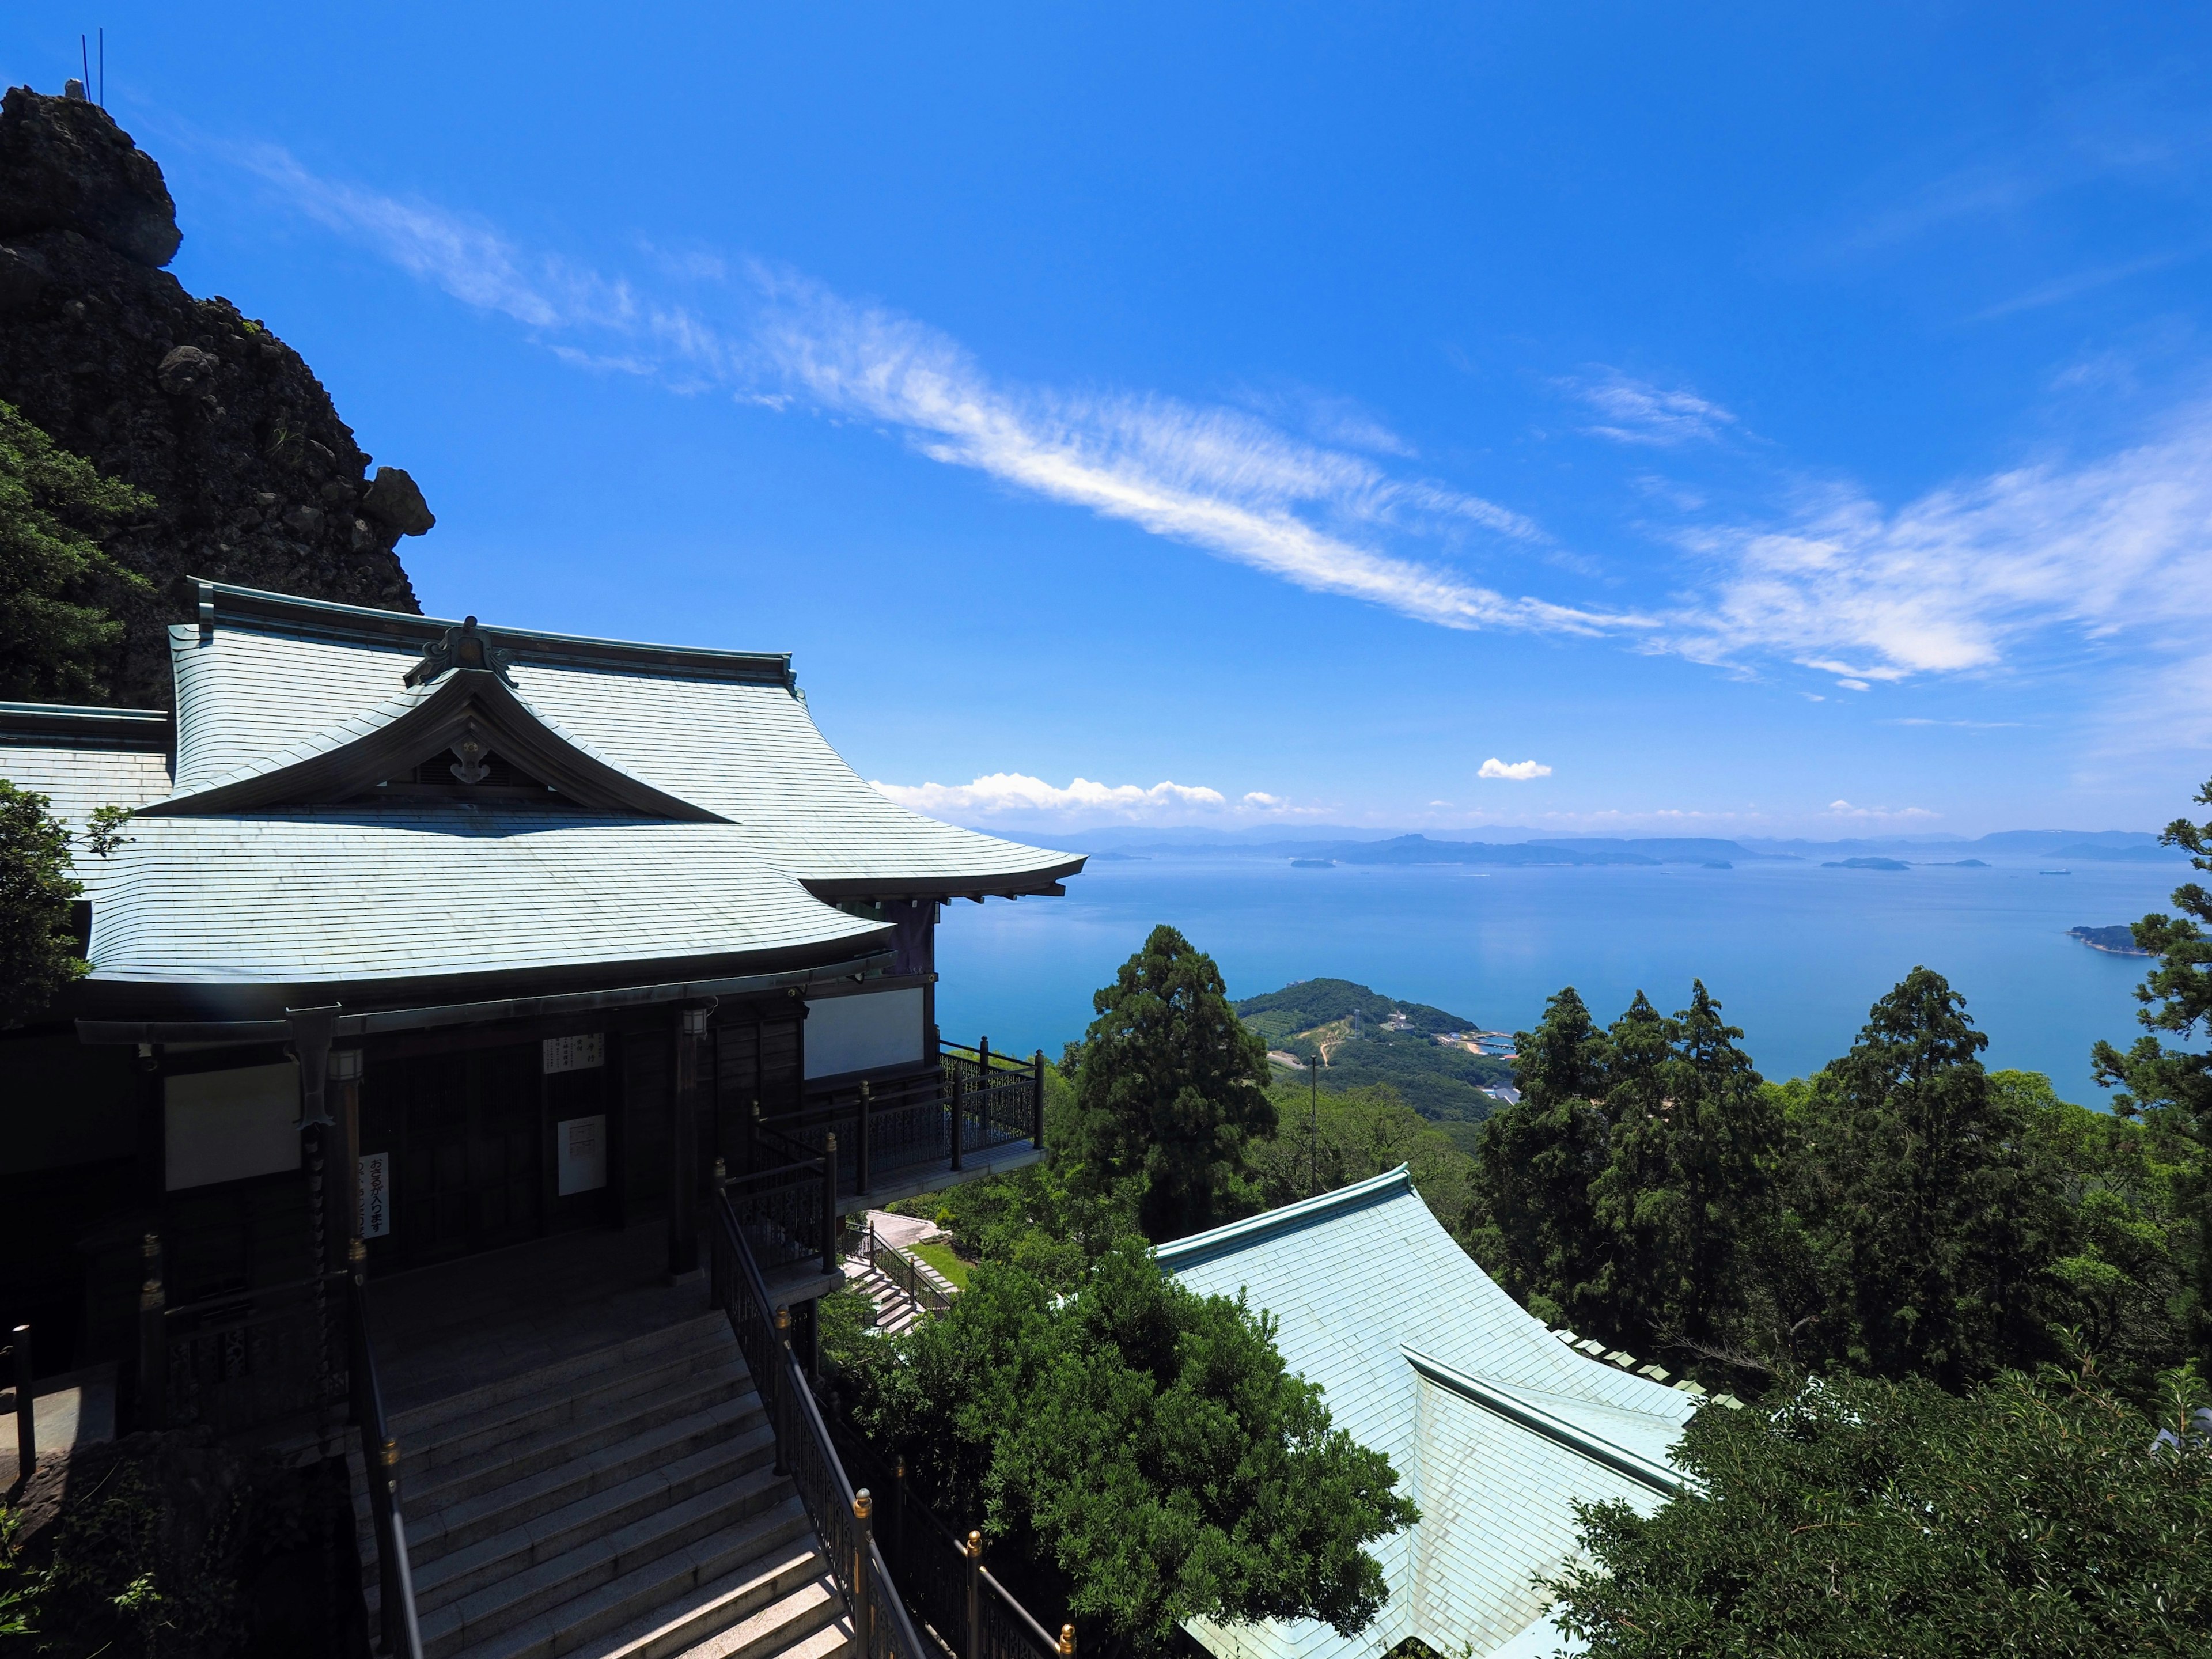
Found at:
(465, 703)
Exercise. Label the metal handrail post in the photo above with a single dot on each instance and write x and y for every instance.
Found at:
(972, 1648)
(1036, 1100)
(959, 1113)
(775, 1395)
(861, 1151)
(153, 1341)
(829, 1202)
(27, 1426)
(863, 1506)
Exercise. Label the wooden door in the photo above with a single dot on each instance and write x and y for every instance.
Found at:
(463, 1137)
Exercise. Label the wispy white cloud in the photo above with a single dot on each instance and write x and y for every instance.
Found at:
(1958, 578)
(1320, 515)
(1003, 793)
(1844, 809)
(1518, 772)
(1635, 411)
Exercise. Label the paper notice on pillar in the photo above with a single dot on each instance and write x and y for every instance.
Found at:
(376, 1194)
(583, 1142)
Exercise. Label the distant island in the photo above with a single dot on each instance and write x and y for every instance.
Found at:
(2120, 941)
(1866, 864)
(1313, 864)
(1959, 864)
(1434, 1059)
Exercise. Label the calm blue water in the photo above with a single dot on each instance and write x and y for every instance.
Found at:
(1794, 952)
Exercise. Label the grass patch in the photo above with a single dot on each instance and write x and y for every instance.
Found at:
(939, 1256)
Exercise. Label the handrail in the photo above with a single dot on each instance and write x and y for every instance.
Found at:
(804, 1451)
(917, 1289)
(396, 1615)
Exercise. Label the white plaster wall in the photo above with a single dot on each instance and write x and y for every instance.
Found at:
(227, 1126)
(852, 1034)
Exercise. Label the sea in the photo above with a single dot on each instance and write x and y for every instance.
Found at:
(1796, 953)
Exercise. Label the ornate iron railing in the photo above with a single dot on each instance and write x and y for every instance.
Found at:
(787, 1213)
(238, 1362)
(396, 1616)
(974, 1101)
(903, 1271)
(843, 1518)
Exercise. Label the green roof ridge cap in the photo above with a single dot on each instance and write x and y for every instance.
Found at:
(1389, 1184)
(1573, 1436)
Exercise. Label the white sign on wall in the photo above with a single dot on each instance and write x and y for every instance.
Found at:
(576, 1054)
(583, 1153)
(376, 1194)
(230, 1125)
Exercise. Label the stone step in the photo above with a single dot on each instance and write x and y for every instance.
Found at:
(418, 1421)
(431, 1484)
(763, 1594)
(737, 1426)
(811, 1623)
(440, 1432)
(568, 1603)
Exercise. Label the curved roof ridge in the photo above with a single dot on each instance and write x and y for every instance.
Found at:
(1576, 1437)
(1391, 1184)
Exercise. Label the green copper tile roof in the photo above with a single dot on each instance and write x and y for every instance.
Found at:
(1495, 1427)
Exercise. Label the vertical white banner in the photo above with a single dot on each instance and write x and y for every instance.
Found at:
(376, 1194)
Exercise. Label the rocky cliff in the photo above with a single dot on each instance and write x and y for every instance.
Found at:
(254, 477)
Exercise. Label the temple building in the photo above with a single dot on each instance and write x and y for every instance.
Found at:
(1497, 1427)
(543, 926)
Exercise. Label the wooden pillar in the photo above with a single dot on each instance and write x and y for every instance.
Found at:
(692, 1059)
(151, 1406)
(343, 1094)
(861, 1151)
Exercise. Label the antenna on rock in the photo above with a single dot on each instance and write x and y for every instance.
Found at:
(84, 62)
(103, 69)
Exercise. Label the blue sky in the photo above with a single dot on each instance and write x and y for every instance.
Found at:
(1731, 422)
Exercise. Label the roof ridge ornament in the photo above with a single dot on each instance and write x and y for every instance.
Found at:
(465, 647)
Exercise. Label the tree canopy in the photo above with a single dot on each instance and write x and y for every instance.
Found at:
(56, 583)
(1146, 1443)
(1171, 1088)
(38, 946)
(1867, 1517)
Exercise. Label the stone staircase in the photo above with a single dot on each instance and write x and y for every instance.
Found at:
(621, 1504)
(896, 1311)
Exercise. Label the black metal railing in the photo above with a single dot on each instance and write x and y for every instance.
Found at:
(238, 1362)
(397, 1622)
(905, 1274)
(788, 1211)
(974, 1101)
(18, 1351)
(966, 1606)
(843, 1519)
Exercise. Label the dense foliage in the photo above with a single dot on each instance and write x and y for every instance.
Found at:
(37, 947)
(1901, 1213)
(1866, 1517)
(2172, 1086)
(1170, 1090)
(1144, 1442)
(56, 584)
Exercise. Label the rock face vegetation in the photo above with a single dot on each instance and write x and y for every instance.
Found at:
(244, 471)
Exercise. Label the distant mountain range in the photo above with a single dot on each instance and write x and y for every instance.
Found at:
(1520, 847)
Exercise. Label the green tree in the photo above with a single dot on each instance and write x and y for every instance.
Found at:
(1866, 1517)
(1170, 1087)
(2174, 1085)
(1933, 1222)
(1362, 1131)
(56, 583)
(38, 946)
(1687, 1179)
(1536, 1164)
(1145, 1444)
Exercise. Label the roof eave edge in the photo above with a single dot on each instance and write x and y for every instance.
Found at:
(1389, 1184)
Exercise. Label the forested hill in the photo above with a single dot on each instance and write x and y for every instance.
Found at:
(1395, 1044)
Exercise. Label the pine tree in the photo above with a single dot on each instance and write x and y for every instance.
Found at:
(1170, 1087)
(38, 951)
(1535, 1163)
